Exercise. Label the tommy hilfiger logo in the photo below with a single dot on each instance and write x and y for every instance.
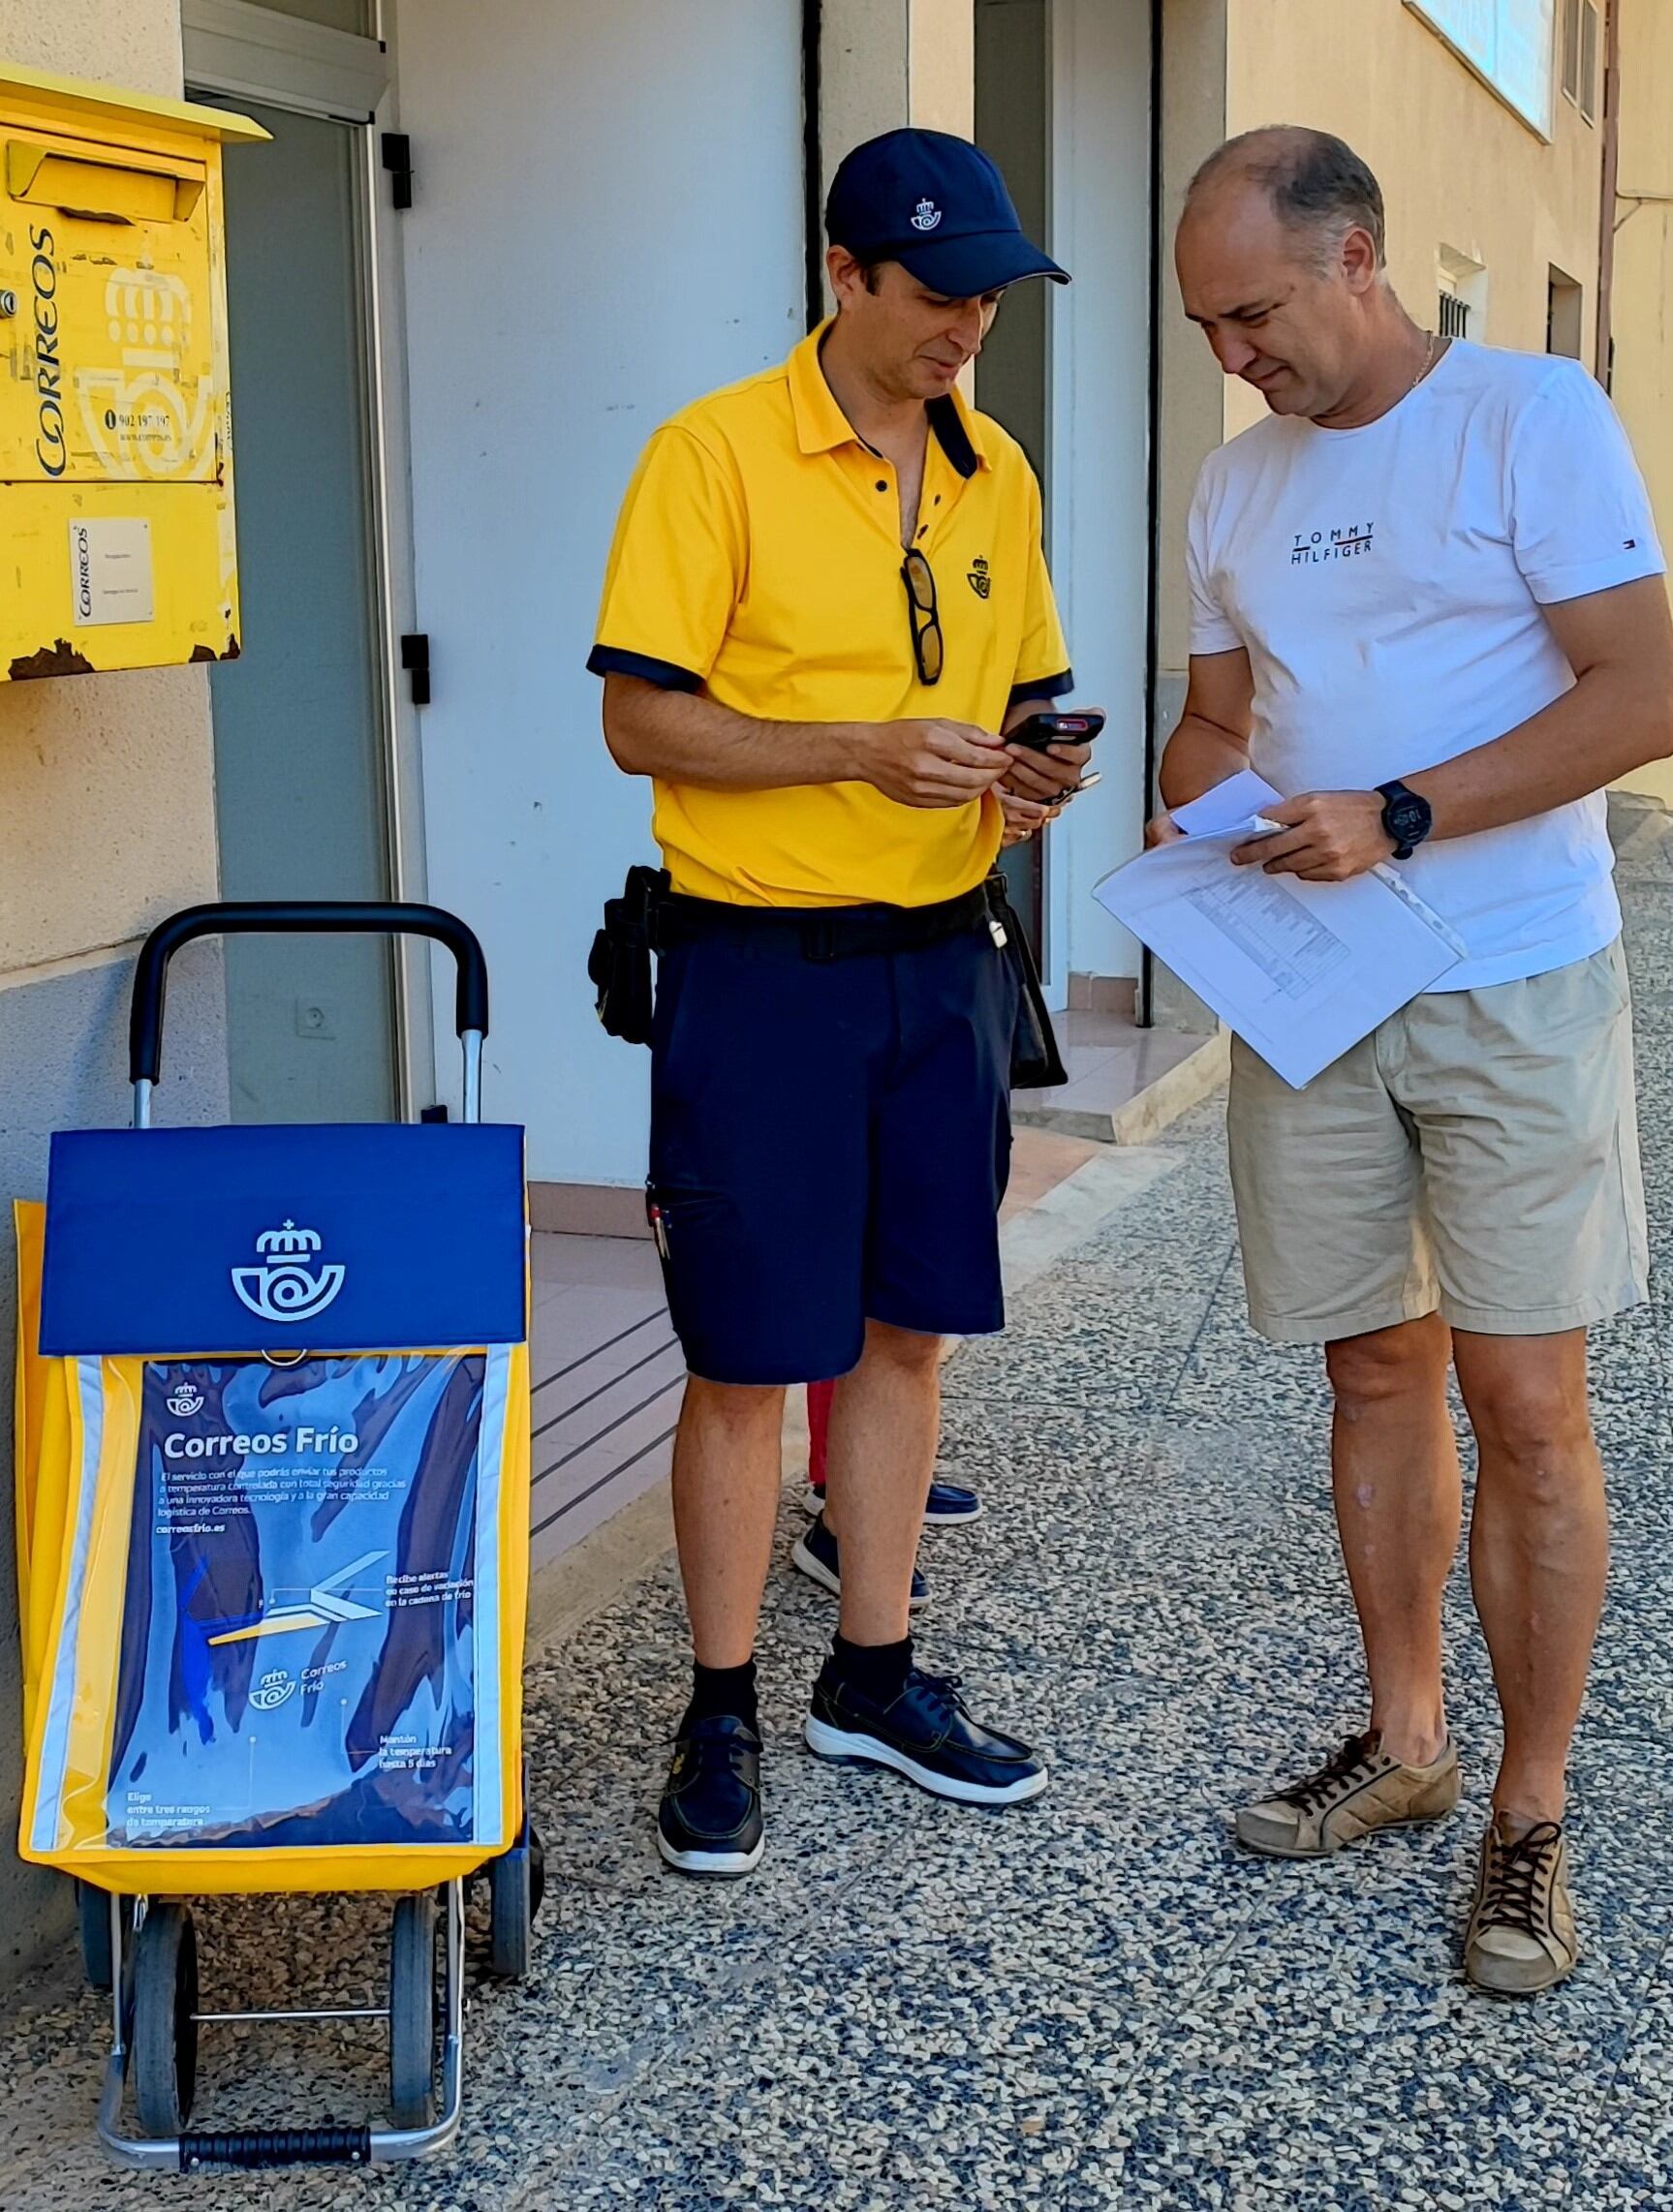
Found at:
(927, 216)
(981, 582)
(1312, 546)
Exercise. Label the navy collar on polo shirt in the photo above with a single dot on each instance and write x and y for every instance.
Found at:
(821, 426)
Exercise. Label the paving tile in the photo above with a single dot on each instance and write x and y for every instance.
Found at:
(1336, 2056)
(1629, 2161)
(1066, 1343)
(1096, 2000)
(901, 2075)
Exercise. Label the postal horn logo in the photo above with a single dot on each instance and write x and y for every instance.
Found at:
(981, 582)
(289, 1285)
(184, 1401)
(926, 216)
(272, 1690)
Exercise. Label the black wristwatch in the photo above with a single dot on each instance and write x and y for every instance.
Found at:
(1407, 818)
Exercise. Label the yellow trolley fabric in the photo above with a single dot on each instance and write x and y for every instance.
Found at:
(78, 1444)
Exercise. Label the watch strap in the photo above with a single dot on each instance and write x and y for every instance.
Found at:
(1390, 794)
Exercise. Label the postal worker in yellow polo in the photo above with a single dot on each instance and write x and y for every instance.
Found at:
(825, 604)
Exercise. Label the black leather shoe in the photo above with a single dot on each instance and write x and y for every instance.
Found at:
(926, 1733)
(815, 1553)
(710, 1817)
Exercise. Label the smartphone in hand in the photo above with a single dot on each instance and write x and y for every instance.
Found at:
(1040, 731)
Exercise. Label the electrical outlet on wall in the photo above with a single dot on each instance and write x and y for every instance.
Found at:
(317, 1018)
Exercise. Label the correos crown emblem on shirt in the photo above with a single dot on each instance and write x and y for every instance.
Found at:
(928, 215)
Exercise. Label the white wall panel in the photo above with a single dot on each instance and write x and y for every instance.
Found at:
(607, 223)
(1100, 524)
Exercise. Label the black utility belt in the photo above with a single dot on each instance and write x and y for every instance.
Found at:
(818, 933)
(648, 918)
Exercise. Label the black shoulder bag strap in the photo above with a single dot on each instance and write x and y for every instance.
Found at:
(1036, 1064)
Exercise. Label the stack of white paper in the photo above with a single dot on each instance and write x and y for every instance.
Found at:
(1300, 971)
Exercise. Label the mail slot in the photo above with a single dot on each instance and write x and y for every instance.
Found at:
(116, 532)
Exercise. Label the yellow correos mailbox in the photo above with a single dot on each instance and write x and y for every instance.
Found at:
(116, 540)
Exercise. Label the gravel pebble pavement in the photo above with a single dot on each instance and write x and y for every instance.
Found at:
(1092, 2001)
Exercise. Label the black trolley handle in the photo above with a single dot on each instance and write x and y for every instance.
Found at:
(298, 917)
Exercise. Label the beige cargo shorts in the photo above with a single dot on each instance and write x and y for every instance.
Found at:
(1476, 1156)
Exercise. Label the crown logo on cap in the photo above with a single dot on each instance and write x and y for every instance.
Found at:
(928, 215)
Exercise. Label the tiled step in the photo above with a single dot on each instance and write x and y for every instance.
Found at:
(607, 1377)
(1126, 1084)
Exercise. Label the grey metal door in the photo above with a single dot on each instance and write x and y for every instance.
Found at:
(1014, 124)
(300, 716)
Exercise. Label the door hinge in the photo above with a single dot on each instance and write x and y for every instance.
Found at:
(398, 161)
(416, 661)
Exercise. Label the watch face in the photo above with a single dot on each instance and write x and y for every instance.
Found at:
(1408, 818)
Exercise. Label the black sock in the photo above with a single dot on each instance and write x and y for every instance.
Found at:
(727, 1692)
(878, 1671)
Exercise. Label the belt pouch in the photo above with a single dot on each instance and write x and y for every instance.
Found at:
(619, 965)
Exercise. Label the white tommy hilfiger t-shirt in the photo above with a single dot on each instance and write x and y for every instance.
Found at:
(1387, 583)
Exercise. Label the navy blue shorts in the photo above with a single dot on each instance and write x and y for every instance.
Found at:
(829, 1144)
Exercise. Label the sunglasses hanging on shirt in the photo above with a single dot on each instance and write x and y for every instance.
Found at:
(924, 614)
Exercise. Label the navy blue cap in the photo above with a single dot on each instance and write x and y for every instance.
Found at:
(938, 205)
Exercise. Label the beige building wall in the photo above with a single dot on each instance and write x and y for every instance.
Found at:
(1193, 122)
(887, 63)
(1642, 297)
(1458, 168)
(1192, 403)
(107, 822)
(107, 790)
(1462, 175)
(942, 65)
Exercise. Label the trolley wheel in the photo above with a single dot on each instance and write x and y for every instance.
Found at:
(165, 2048)
(93, 1905)
(516, 1885)
(412, 2011)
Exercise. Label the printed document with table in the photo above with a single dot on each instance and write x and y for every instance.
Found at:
(1300, 971)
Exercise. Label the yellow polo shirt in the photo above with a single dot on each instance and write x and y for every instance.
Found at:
(757, 559)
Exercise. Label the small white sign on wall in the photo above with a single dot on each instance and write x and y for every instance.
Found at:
(111, 571)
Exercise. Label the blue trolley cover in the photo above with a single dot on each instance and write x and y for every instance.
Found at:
(288, 1591)
(322, 1238)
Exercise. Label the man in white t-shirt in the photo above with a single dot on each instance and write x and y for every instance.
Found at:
(1427, 606)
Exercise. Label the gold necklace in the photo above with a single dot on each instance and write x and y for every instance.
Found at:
(1427, 364)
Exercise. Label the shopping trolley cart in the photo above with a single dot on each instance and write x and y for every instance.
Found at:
(272, 1532)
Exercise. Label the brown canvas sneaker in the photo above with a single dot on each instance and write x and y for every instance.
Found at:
(1522, 1936)
(1361, 1789)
